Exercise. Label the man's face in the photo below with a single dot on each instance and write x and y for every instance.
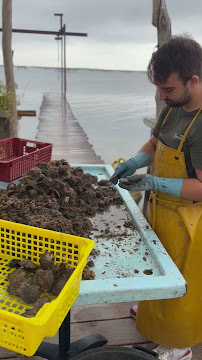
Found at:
(174, 92)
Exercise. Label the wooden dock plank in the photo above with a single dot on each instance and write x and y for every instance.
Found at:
(7, 354)
(21, 113)
(101, 312)
(118, 332)
(110, 320)
(58, 126)
(197, 353)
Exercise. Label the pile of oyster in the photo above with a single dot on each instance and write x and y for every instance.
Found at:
(57, 197)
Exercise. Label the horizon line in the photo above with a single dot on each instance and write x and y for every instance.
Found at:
(76, 68)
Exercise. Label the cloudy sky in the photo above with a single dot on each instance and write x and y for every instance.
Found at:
(120, 33)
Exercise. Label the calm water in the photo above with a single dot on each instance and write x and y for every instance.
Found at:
(110, 105)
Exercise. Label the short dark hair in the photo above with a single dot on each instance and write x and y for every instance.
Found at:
(181, 54)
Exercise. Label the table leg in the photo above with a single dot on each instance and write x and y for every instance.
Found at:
(66, 350)
(64, 339)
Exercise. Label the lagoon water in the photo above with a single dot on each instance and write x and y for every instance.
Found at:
(109, 105)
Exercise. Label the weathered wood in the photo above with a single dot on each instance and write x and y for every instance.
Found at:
(7, 354)
(161, 20)
(8, 61)
(150, 122)
(155, 12)
(197, 353)
(110, 320)
(58, 126)
(101, 312)
(4, 128)
(119, 331)
(18, 357)
(164, 25)
(21, 113)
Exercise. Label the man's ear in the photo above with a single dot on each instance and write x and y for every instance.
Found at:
(193, 81)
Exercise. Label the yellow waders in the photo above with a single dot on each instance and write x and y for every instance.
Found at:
(175, 323)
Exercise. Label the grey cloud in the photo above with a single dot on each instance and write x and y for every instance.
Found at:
(95, 16)
(183, 9)
(81, 12)
(107, 22)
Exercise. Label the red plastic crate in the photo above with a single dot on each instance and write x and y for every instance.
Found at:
(20, 155)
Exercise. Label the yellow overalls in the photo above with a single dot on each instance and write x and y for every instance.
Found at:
(175, 323)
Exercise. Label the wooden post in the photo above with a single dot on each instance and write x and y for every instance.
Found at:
(161, 20)
(12, 125)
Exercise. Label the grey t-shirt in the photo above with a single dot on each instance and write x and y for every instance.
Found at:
(174, 128)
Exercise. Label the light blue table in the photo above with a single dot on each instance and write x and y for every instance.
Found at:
(115, 280)
(114, 268)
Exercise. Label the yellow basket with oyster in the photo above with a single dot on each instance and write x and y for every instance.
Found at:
(26, 243)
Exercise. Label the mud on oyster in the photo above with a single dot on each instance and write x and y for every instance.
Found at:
(29, 281)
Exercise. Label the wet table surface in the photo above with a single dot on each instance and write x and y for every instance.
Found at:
(130, 262)
(121, 252)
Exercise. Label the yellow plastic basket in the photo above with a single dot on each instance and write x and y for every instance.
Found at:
(24, 335)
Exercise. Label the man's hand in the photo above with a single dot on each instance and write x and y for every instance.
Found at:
(148, 182)
(137, 183)
(124, 169)
(128, 167)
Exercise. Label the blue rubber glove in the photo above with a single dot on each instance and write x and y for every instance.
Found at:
(148, 182)
(128, 167)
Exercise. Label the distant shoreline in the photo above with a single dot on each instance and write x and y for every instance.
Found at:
(72, 69)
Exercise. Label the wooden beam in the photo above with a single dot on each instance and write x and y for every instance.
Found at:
(26, 113)
(8, 64)
(161, 20)
(46, 32)
(155, 13)
(150, 122)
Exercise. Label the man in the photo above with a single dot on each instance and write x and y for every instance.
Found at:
(175, 206)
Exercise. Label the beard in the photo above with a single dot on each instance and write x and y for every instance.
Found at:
(185, 99)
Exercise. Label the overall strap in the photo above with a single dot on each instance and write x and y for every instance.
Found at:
(168, 113)
(186, 132)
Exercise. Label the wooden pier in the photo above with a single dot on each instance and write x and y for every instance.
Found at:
(58, 126)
